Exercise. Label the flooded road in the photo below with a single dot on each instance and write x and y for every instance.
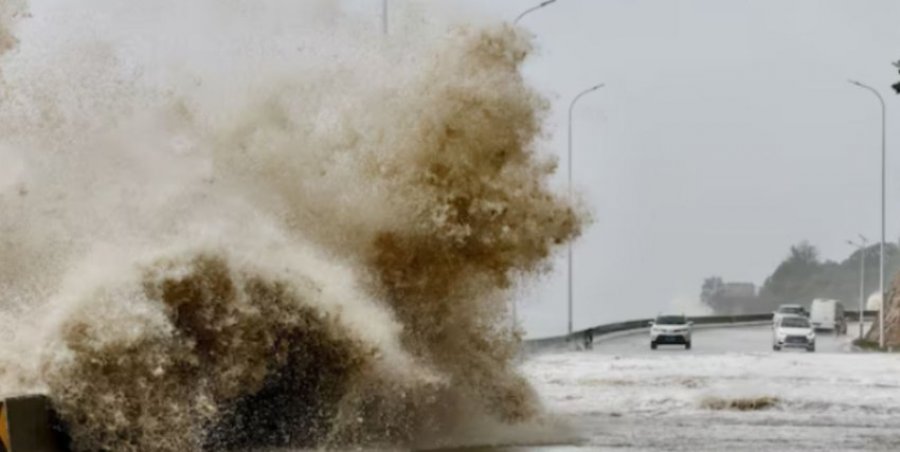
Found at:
(623, 396)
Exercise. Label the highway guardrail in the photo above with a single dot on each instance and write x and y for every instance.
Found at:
(584, 338)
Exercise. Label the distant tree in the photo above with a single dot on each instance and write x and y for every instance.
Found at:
(794, 279)
(727, 298)
(802, 276)
(804, 253)
(709, 292)
(711, 285)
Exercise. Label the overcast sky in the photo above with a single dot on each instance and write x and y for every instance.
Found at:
(727, 132)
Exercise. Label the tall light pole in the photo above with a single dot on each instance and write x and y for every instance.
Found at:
(862, 277)
(515, 313)
(883, 161)
(529, 10)
(569, 172)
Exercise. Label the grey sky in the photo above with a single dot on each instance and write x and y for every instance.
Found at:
(726, 133)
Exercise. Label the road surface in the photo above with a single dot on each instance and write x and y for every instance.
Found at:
(623, 396)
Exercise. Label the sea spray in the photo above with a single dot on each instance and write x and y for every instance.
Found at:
(299, 255)
(10, 12)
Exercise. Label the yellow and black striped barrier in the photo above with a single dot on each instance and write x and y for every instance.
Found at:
(4, 430)
(28, 424)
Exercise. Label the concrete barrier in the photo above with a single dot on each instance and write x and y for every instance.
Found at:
(28, 424)
(854, 315)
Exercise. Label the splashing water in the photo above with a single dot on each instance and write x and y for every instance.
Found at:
(10, 11)
(268, 247)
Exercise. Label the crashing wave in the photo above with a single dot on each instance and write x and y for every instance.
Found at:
(323, 260)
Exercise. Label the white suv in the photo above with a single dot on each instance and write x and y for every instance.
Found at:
(793, 331)
(788, 309)
(670, 329)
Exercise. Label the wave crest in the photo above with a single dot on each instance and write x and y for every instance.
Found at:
(325, 260)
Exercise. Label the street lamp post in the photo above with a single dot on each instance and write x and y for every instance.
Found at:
(529, 10)
(883, 161)
(862, 277)
(569, 173)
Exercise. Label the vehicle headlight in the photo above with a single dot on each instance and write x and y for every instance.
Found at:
(781, 336)
(811, 335)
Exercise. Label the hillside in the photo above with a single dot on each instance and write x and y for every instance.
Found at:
(802, 276)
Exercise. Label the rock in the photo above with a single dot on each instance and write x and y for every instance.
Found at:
(892, 317)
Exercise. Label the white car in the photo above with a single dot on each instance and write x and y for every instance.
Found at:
(670, 329)
(793, 331)
(786, 310)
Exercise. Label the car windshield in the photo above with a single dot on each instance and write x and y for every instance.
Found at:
(791, 309)
(795, 322)
(671, 320)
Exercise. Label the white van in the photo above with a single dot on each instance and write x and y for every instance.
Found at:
(828, 315)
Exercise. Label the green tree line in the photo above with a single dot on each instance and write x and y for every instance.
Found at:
(803, 276)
